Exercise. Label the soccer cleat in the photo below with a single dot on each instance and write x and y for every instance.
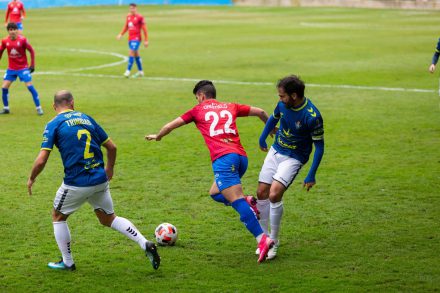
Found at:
(61, 266)
(264, 245)
(273, 251)
(252, 201)
(40, 111)
(257, 252)
(138, 74)
(151, 253)
(5, 111)
(127, 74)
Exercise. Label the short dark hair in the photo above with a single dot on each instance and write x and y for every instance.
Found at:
(292, 84)
(12, 26)
(62, 97)
(206, 87)
(132, 4)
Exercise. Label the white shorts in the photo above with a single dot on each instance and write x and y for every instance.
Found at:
(279, 167)
(70, 198)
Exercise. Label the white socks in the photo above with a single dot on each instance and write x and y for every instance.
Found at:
(128, 229)
(276, 213)
(263, 206)
(62, 236)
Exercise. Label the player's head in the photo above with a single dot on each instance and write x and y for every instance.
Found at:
(63, 100)
(132, 7)
(206, 89)
(12, 29)
(290, 88)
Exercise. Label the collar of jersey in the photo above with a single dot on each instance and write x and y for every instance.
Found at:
(301, 107)
(65, 111)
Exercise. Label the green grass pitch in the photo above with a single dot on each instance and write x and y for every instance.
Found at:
(370, 224)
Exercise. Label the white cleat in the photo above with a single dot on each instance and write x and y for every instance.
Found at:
(273, 251)
(127, 74)
(138, 74)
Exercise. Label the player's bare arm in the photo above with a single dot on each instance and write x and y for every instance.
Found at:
(145, 32)
(111, 158)
(166, 129)
(37, 168)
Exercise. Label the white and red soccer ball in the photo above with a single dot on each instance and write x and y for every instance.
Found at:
(166, 234)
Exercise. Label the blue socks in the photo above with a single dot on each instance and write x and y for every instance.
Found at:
(130, 62)
(34, 95)
(220, 198)
(5, 94)
(247, 216)
(138, 62)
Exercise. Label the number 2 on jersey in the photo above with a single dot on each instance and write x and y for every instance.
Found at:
(215, 117)
(87, 153)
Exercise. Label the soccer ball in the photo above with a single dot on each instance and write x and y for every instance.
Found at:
(166, 234)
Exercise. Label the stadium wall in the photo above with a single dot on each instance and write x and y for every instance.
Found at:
(62, 3)
(402, 4)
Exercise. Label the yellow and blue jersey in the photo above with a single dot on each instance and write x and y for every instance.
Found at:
(78, 138)
(298, 128)
(436, 53)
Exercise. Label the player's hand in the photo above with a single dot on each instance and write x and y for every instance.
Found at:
(146, 44)
(109, 172)
(31, 69)
(432, 68)
(273, 132)
(152, 137)
(308, 185)
(6, 24)
(118, 37)
(263, 144)
(29, 185)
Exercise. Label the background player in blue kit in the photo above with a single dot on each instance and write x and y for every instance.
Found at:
(435, 57)
(301, 127)
(79, 139)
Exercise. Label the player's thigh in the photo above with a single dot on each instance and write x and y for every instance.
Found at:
(25, 76)
(9, 77)
(228, 170)
(232, 193)
(70, 198)
(101, 199)
(269, 167)
(133, 46)
(287, 170)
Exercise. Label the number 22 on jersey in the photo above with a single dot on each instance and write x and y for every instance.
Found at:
(215, 119)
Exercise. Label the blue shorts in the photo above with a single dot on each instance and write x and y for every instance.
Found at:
(228, 170)
(134, 45)
(24, 75)
(19, 25)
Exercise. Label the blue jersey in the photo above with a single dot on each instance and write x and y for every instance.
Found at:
(436, 53)
(78, 138)
(297, 130)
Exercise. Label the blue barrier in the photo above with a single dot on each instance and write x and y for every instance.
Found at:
(64, 3)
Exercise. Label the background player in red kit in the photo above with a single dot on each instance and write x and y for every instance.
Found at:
(16, 46)
(216, 122)
(15, 13)
(134, 24)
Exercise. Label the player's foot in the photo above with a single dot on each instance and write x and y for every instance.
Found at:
(4, 111)
(252, 201)
(151, 253)
(127, 74)
(273, 251)
(61, 266)
(257, 251)
(40, 111)
(138, 74)
(264, 245)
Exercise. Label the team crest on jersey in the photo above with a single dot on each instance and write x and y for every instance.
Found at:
(18, 43)
(130, 24)
(298, 124)
(15, 9)
(14, 52)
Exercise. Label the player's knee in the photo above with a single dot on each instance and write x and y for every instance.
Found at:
(104, 219)
(263, 191)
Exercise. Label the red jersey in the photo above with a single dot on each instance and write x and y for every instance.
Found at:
(14, 12)
(134, 25)
(17, 52)
(216, 122)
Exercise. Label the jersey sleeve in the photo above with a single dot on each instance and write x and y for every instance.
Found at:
(243, 110)
(437, 49)
(276, 112)
(100, 132)
(316, 127)
(49, 137)
(188, 117)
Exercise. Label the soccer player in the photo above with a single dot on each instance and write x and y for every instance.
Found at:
(134, 24)
(216, 122)
(79, 139)
(16, 45)
(15, 13)
(301, 127)
(435, 57)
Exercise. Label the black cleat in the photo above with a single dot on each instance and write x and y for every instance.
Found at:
(5, 111)
(151, 253)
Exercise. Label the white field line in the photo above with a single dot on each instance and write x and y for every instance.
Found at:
(75, 72)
